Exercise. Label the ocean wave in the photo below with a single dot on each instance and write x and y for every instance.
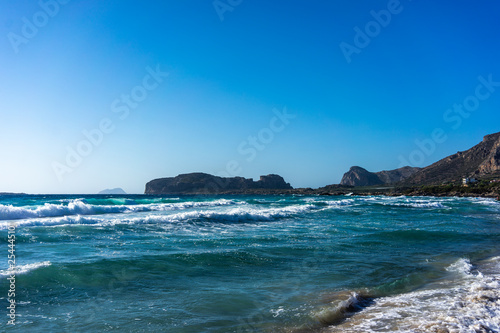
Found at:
(110, 201)
(340, 203)
(485, 202)
(330, 203)
(56, 221)
(407, 202)
(74, 207)
(81, 207)
(101, 206)
(239, 214)
(23, 269)
(342, 307)
(128, 201)
(423, 204)
(469, 304)
(243, 214)
(461, 266)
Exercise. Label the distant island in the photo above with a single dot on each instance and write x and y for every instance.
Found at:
(475, 172)
(112, 191)
(202, 183)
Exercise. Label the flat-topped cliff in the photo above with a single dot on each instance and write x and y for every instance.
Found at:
(202, 183)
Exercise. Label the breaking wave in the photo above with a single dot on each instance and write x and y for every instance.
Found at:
(467, 304)
(81, 207)
(239, 214)
(19, 270)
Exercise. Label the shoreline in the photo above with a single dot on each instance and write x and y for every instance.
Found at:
(304, 192)
(345, 191)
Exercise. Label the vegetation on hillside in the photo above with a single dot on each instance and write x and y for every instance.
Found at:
(481, 187)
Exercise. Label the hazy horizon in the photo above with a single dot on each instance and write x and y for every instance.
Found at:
(104, 95)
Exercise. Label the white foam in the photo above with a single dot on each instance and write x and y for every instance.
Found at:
(18, 270)
(277, 312)
(54, 221)
(238, 214)
(470, 304)
(330, 203)
(414, 202)
(419, 204)
(340, 203)
(485, 202)
(461, 266)
(424, 204)
(9, 212)
(80, 207)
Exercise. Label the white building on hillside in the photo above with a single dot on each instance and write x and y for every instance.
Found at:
(466, 181)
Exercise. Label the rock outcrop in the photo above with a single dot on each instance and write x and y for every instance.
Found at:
(479, 161)
(202, 183)
(492, 162)
(395, 176)
(358, 176)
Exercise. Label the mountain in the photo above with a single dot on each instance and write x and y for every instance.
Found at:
(113, 191)
(481, 160)
(395, 176)
(357, 176)
(202, 183)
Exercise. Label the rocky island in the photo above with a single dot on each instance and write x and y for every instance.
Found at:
(202, 183)
(113, 191)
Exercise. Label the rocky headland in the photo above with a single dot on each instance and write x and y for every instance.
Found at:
(202, 183)
(481, 161)
(475, 172)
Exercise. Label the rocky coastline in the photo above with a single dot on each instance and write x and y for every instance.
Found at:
(471, 173)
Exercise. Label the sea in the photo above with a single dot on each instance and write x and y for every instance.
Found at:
(284, 263)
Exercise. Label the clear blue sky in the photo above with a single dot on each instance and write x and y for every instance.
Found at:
(357, 99)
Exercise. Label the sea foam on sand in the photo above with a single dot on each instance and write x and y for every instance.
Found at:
(470, 304)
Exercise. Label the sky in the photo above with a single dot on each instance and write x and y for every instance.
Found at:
(104, 94)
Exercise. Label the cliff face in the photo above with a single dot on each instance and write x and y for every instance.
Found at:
(492, 162)
(482, 159)
(202, 183)
(395, 176)
(358, 176)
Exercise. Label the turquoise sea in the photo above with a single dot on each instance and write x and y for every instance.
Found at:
(251, 264)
